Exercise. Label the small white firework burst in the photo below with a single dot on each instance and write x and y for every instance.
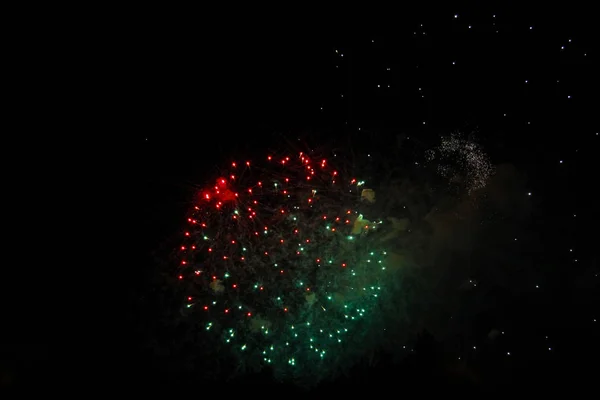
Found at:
(462, 160)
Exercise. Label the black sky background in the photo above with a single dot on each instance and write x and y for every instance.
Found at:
(157, 99)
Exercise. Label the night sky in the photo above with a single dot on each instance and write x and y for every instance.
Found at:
(181, 95)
